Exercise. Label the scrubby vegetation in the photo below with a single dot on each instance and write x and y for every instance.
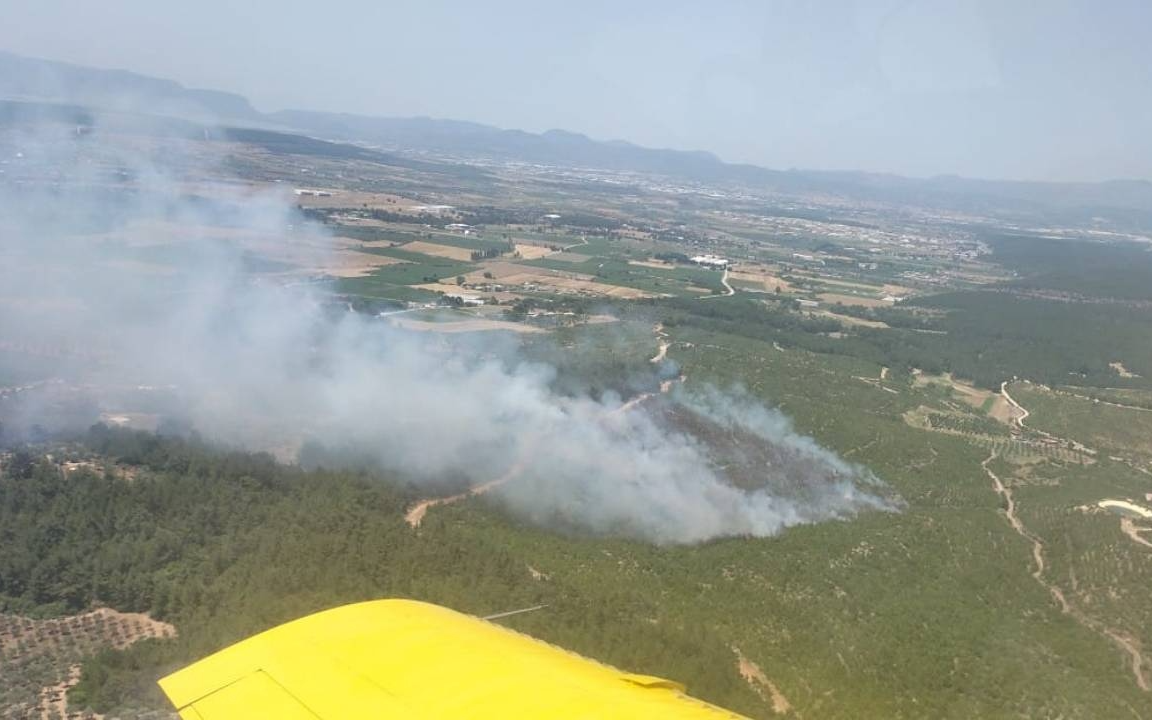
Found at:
(986, 337)
(225, 544)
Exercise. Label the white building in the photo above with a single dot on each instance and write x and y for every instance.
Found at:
(711, 261)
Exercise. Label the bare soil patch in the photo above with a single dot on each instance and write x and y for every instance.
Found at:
(857, 300)
(970, 394)
(513, 277)
(533, 252)
(651, 264)
(853, 321)
(356, 200)
(460, 326)
(350, 263)
(569, 257)
(444, 251)
(448, 288)
(760, 279)
(1121, 370)
(760, 683)
(500, 270)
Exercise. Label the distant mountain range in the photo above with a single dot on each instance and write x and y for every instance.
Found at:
(1121, 204)
(24, 78)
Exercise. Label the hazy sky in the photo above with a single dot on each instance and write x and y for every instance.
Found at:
(1043, 89)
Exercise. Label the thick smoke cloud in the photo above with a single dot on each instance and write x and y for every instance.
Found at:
(90, 294)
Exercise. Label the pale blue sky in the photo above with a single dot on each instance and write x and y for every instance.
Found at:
(1039, 89)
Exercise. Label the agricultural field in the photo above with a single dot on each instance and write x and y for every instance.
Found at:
(40, 659)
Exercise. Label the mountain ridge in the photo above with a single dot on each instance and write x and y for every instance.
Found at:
(1121, 203)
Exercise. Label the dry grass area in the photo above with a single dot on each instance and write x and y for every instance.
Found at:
(448, 288)
(658, 264)
(533, 252)
(39, 659)
(512, 276)
(443, 251)
(897, 290)
(838, 283)
(852, 321)
(569, 257)
(461, 326)
(307, 254)
(763, 277)
(350, 263)
(858, 300)
(349, 199)
(586, 286)
(999, 409)
(501, 271)
(970, 394)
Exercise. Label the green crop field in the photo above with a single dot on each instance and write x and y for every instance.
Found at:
(391, 281)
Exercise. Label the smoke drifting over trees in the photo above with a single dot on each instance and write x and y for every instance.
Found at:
(126, 272)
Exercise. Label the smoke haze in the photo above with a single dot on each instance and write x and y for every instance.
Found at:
(127, 274)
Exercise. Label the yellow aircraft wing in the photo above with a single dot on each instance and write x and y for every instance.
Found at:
(417, 661)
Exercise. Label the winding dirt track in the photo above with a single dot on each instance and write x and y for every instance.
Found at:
(662, 349)
(1022, 413)
(416, 513)
(724, 281)
(728, 289)
(1127, 644)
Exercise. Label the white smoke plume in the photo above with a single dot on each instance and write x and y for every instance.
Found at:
(262, 360)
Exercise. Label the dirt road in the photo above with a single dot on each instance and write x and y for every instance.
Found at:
(416, 514)
(724, 281)
(662, 348)
(728, 289)
(1021, 413)
(760, 683)
(1129, 646)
